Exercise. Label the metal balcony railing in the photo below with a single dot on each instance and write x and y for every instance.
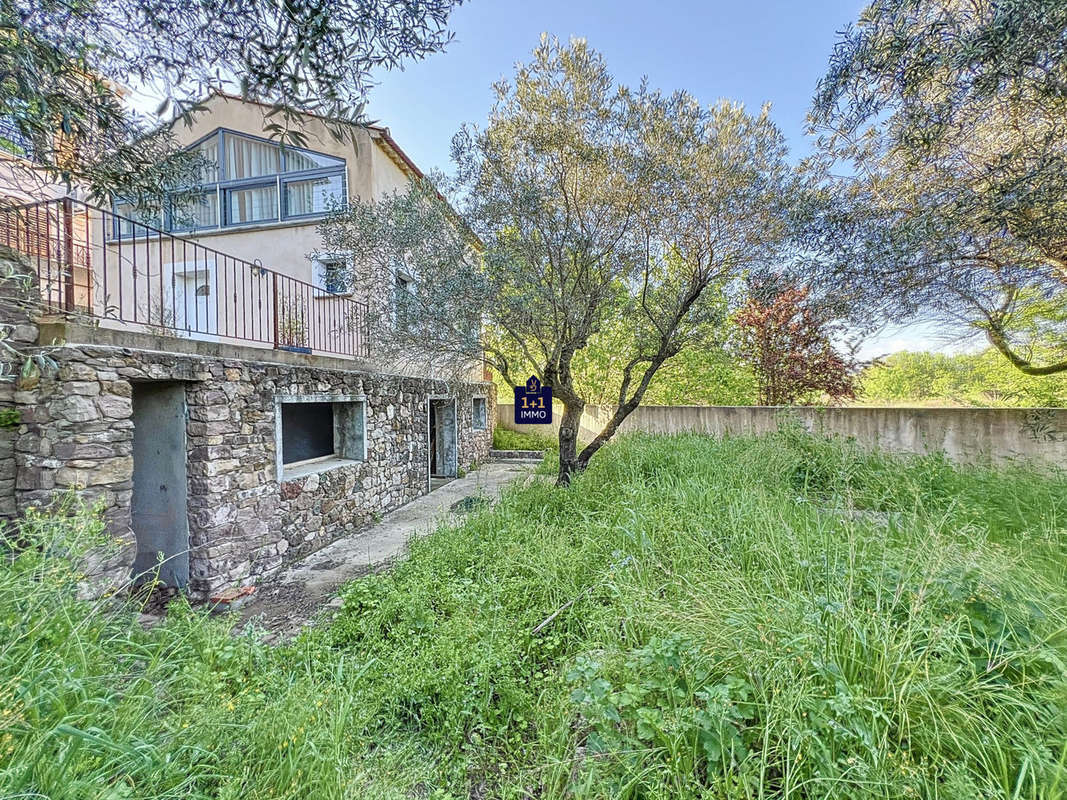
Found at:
(152, 281)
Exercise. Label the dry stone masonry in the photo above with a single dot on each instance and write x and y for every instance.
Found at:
(77, 433)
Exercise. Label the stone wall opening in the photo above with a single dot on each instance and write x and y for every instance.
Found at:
(318, 432)
(443, 443)
(307, 432)
(159, 512)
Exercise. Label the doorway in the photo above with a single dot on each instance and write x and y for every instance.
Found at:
(195, 305)
(159, 508)
(442, 441)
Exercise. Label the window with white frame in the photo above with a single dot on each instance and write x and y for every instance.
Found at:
(479, 418)
(318, 432)
(331, 274)
(247, 180)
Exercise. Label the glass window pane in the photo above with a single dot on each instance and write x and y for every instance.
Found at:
(251, 205)
(209, 150)
(314, 196)
(299, 160)
(248, 158)
(129, 214)
(332, 276)
(199, 212)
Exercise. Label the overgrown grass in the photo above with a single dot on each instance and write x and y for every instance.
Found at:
(692, 618)
(504, 439)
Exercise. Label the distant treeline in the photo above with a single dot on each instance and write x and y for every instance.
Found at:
(920, 378)
(975, 379)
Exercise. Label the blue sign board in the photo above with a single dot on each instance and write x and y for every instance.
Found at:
(533, 403)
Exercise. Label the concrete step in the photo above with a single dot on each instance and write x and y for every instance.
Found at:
(516, 455)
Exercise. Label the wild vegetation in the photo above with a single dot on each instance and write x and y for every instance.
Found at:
(504, 439)
(974, 379)
(744, 618)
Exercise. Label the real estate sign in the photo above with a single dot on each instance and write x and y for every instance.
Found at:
(533, 403)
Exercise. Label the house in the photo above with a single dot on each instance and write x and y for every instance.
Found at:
(262, 202)
(217, 392)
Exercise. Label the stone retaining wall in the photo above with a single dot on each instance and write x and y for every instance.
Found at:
(18, 299)
(77, 434)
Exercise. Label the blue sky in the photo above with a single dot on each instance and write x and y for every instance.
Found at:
(753, 52)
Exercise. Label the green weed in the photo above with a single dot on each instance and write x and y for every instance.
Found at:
(691, 618)
(504, 439)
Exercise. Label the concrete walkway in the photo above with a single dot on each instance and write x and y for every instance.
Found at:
(285, 602)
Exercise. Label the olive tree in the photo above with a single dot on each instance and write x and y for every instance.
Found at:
(946, 123)
(589, 206)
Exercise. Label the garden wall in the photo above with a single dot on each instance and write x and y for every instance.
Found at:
(1037, 435)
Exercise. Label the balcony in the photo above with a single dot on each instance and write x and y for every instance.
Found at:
(150, 281)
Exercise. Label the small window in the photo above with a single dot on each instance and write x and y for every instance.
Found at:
(251, 158)
(197, 212)
(257, 204)
(133, 220)
(404, 301)
(301, 160)
(313, 195)
(208, 150)
(331, 275)
(479, 415)
(319, 432)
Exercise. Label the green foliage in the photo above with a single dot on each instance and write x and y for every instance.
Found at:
(727, 639)
(429, 317)
(977, 379)
(65, 65)
(504, 439)
(10, 417)
(936, 210)
(613, 218)
(692, 618)
(704, 373)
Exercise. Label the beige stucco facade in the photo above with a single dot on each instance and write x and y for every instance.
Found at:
(254, 284)
(373, 168)
(251, 284)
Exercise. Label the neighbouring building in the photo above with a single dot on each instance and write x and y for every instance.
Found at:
(216, 389)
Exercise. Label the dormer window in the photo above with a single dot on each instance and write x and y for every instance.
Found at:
(248, 181)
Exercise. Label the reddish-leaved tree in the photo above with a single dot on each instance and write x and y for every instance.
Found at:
(787, 340)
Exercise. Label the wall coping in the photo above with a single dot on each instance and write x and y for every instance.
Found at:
(58, 332)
